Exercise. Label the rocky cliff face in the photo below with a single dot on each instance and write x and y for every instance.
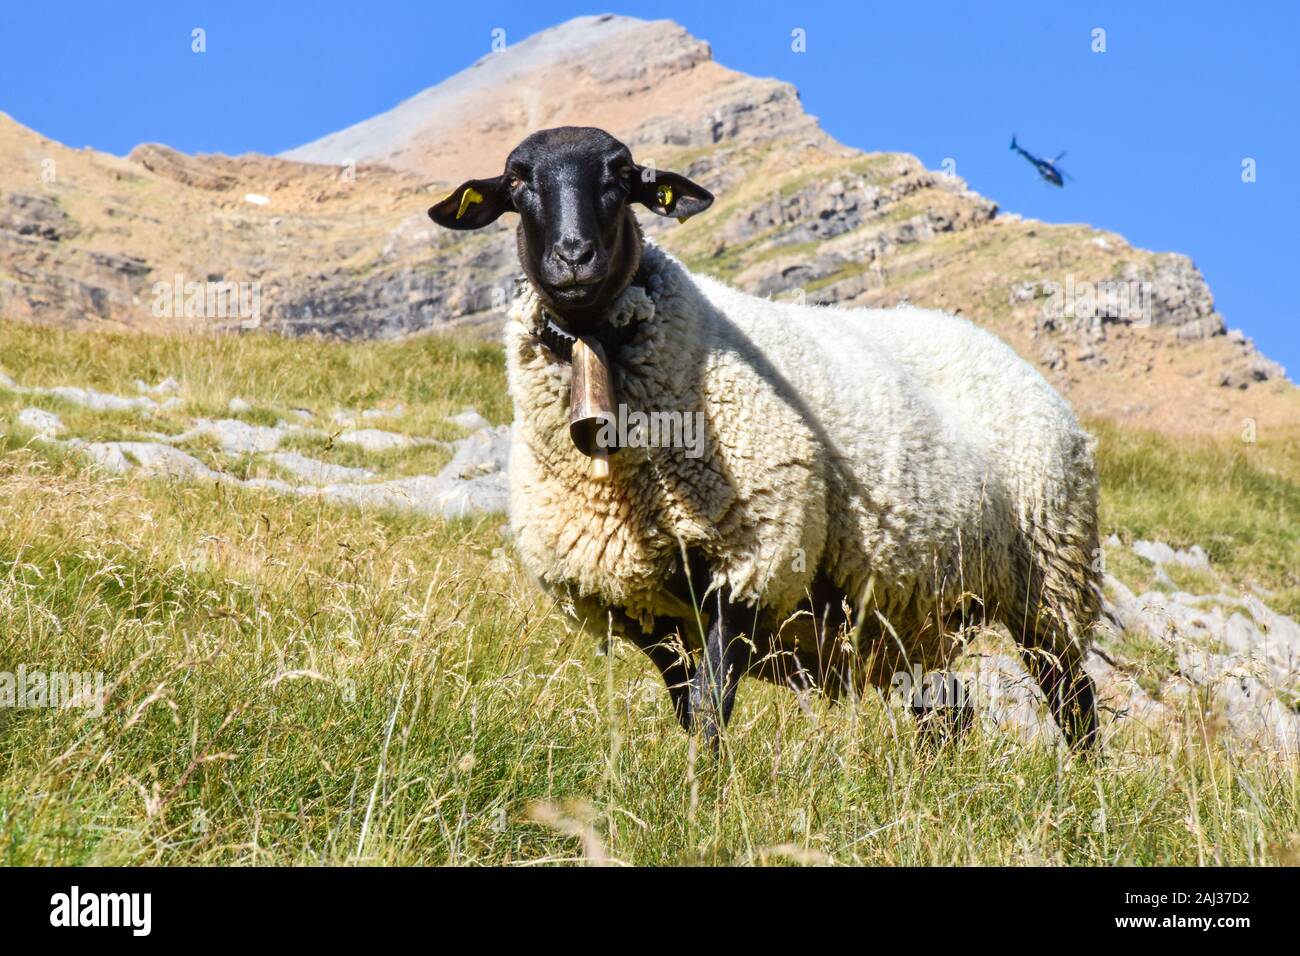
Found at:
(334, 238)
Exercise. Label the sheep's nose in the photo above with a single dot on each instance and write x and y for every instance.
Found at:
(574, 251)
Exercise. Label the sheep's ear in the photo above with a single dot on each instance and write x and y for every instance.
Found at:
(473, 204)
(670, 194)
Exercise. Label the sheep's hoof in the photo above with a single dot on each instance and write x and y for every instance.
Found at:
(711, 738)
(708, 728)
(681, 701)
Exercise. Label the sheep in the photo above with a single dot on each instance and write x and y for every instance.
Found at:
(871, 481)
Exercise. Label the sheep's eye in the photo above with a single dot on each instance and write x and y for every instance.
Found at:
(515, 182)
(625, 173)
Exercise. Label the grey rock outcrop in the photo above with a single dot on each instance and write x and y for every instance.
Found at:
(1157, 552)
(1236, 652)
(473, 481)
(375, 440)
(153, 459)
(43, 423)
(237, 437)
(316, 472)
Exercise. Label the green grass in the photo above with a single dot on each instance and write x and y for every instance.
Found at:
(433, 376)
(419, 382)
(291, 682)
(400, 462)
(1238, 500)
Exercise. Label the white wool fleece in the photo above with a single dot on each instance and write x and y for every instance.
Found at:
(909, 456)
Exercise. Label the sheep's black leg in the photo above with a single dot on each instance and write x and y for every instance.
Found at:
(1070, 694)
(726, 658)
(944, 710)
(944, 723)
(673, 662)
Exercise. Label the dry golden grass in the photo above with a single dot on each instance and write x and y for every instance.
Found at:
(288, 682)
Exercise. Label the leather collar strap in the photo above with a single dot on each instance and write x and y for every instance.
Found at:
(556, 339)
(560, 342)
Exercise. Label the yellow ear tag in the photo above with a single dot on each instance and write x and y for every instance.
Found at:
(664, 197)
(470, 195)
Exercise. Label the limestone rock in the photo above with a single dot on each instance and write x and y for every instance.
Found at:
(235, 436)
(98, 401)
(374, 440)
(318, 472)
(470, 420)
(44, 424)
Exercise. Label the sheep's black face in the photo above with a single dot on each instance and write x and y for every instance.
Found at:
(579, 241)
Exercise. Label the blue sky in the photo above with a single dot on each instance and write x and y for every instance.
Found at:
(1156, 127)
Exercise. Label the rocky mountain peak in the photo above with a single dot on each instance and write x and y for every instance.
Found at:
(333, 235)
(647, 82)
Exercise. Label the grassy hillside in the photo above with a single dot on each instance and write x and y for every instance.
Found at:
(293, 682)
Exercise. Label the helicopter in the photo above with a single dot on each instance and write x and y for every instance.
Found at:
(1046, 168)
